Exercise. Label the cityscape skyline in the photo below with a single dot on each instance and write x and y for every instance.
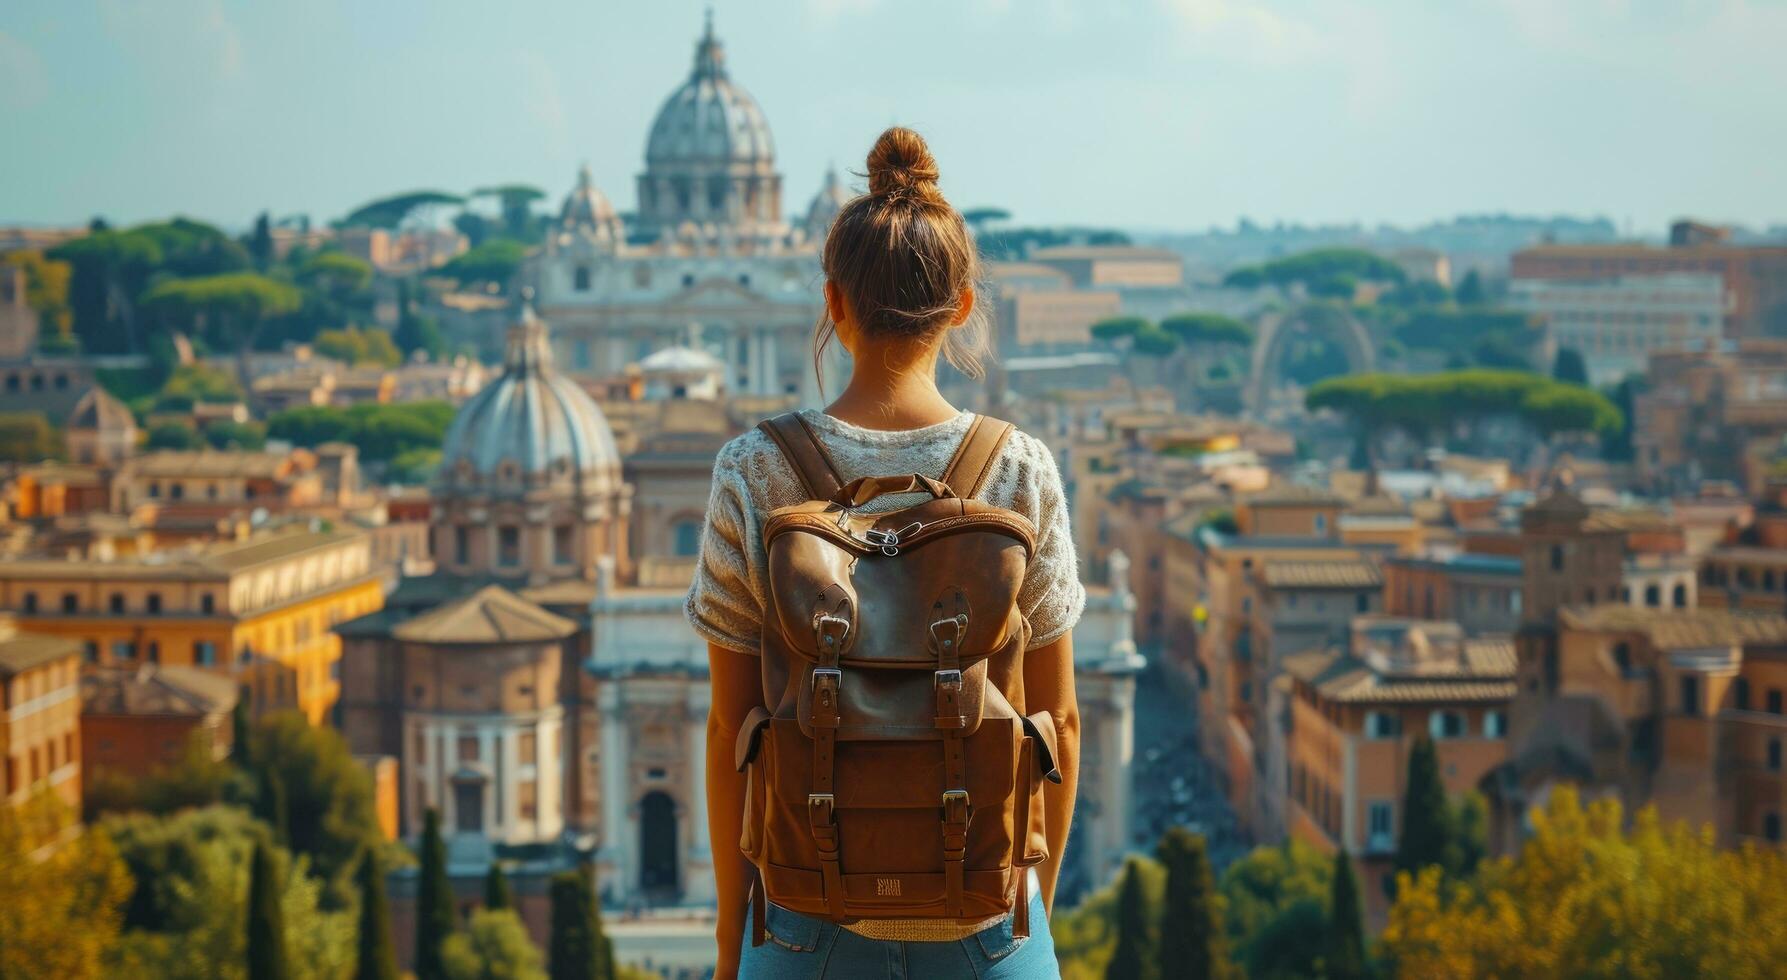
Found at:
(1190, 113)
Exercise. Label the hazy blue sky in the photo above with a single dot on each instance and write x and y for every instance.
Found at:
(1140, 113)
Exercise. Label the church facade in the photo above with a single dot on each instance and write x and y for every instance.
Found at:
(709, 251)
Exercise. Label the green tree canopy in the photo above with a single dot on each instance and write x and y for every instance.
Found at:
(1422, 404)
(266, 923)
(1133, 958)
(382, 431)
(1569, 367)
(1426, 825)
(494, 946)
(434, 901)
(228, 309)
(192, 384)
(1193, 936)
(173, 435)
(1194, 329)
(496, 888)
(329, 805)
(61, 907)
(186, 916)
(1154, 342)
(357, 345)
(46, 292)
(390, 212)
(1271, 898)
(1344, 940)
(28, 437)
(1317, 267)
(1119, 327)
(494, 261)
(516, 202)
(375, 956)
(579, 950)
(1588, 897)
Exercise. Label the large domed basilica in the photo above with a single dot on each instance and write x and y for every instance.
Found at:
(709, 249)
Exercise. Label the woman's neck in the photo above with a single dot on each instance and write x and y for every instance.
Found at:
(893, 393)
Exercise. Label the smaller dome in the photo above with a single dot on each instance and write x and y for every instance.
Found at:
(98, 410)
(826, 204)
(531, 426)
(587, 210)
(682, 360)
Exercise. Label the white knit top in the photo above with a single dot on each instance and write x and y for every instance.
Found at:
(751, 478)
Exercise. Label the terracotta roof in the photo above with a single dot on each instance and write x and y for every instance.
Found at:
(210, 463)
(1681, 629)
(153, 690)
(1341, 677)
(493, 614)
(1322, 574)
(21, 651)
(1293, 495)
(211, 562)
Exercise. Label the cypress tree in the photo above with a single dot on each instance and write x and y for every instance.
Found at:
(266, 926)
(1193, 937)
(496, 889)
(578, 949)
(378, 958)
(1343, 948)
(273, 807)
(1132, 959)
(434, 901)
(1426, 823)
(239, 730)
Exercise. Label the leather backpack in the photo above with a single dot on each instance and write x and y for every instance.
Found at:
(894, 773)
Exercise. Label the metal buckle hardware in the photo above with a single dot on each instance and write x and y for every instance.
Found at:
(955, 807)
(831, 631)
(948, 632)
(821, 809)
(889, 541)
(827, 681)
(948, 687)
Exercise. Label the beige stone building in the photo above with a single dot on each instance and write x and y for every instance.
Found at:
(40, 715)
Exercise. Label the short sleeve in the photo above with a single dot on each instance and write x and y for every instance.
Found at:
(1052, 597)
(724, 604)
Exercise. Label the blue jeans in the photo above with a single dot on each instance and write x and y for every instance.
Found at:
(799, 947)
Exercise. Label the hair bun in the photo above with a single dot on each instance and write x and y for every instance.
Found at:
(900, 165)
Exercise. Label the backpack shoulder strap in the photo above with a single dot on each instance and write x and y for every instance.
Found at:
(974, 458)
(800, 445)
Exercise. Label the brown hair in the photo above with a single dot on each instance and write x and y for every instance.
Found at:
(901, 254)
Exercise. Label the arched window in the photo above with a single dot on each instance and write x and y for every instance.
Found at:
(1622, 657)
(1653, 595)
(580, 279)
(1681, 596)
(1557, 557)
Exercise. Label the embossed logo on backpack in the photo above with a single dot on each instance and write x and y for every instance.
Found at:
(887, 887)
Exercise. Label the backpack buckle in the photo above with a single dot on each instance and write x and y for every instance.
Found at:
(827, 682)
(830, 632)
(948, 686)
(955, 811)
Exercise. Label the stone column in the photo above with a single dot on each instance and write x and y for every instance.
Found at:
(698, 866)
(496, 798)
(772, 364)
(619, 842)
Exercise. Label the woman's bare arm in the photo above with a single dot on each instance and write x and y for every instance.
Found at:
(736, 690)
(1048, 684)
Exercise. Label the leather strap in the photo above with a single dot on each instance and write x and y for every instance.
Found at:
(758, 912)
(822, 812)
(1020, 909)
(956, 812)
(973, 460)
(804, 452)
(866, 488)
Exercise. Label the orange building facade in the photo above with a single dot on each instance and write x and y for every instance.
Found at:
(40, 716)
(260, 610)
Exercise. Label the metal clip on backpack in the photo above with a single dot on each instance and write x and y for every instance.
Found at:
(897, 775)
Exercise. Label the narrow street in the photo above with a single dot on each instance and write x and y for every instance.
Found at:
(1172, 784)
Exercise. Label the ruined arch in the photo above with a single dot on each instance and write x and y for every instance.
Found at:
(1277, 328)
